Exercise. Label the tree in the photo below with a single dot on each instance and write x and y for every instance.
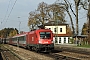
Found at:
(44, 14)
(4, 33)
(69, 31)
(66, 5)
(42, 9)
(85, 29)
(38, 17)
(32, 20)
(89, 15)
(86, 5)
(76, 8)
(89, 21)
(57, 12)
(12, 33)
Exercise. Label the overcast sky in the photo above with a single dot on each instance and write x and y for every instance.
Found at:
(10, 10)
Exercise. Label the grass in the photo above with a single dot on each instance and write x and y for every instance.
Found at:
(86, 46)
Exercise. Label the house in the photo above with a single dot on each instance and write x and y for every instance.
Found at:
(60, 35)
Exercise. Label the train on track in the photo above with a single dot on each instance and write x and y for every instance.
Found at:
(37, 40)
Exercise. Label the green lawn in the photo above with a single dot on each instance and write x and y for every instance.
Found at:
(86, 46)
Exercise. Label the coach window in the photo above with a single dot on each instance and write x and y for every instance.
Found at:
(54, 29)
(59, 39)
(64, 39)
(60, 29)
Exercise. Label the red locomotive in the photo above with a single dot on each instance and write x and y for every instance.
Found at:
(38, 40)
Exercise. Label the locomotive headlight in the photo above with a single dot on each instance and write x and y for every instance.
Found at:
(39, 41)
(52, 41)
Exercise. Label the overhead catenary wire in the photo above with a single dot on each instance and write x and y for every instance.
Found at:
(6, 12)
(10, 12)
(12, 8)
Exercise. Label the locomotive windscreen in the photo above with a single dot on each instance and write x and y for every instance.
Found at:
(45, 35)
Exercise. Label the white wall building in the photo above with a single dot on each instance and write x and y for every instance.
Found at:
(59, 31)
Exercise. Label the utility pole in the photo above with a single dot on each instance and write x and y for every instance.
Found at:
(56, 28)
(19, 24)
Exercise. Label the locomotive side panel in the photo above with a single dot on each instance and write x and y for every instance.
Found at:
(32, 38)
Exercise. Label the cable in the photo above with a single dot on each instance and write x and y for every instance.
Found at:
(10, 11)
(6, 12)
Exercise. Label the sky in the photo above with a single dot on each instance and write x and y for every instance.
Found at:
(15, 13)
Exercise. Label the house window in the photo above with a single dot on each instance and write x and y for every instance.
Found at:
(60, 29)
(68, 39)
(56, 40)
(64, 39)
(54, 29)
(59, 39)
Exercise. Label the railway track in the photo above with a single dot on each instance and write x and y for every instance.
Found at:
(57, 55)
(25, 54)
(77, 55)
(6, 54)
(72, 56)
(80, 51)
(65, 55)
(54, 55)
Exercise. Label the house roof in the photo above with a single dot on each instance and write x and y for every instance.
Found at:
(51, 23)
(82, 36)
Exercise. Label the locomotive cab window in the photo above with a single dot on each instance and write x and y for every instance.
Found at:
(45, 35)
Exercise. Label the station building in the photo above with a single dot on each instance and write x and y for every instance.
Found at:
(60, 35)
